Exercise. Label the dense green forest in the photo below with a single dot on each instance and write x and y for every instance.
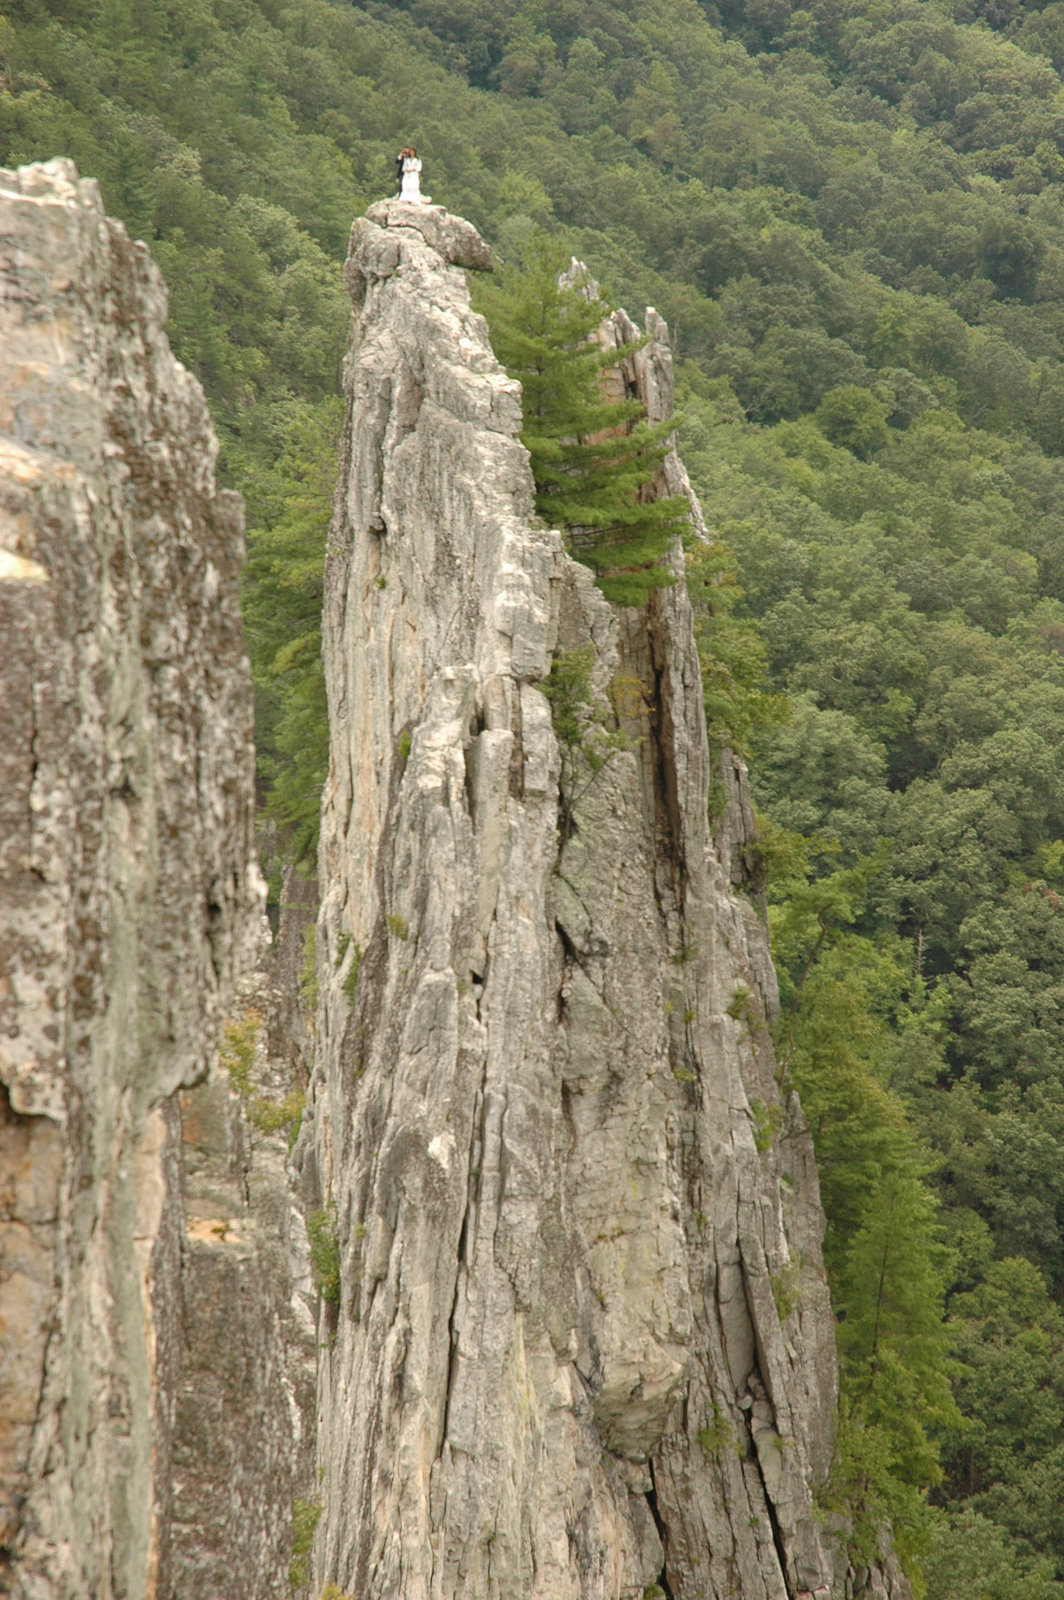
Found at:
(852, 214)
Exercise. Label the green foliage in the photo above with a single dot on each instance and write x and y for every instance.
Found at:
(593, 460)
(739, 1004)
(306, 1514)
(582, 726)
(587, 729)
(968, 1557)
(918, 641)
(718, 1437)
(851, 416)
(308, 971)
(275, 1116)
(739, 705)
(1007, 1462)
(237, 1054)
(239, 1046)
(846, 1006)
(290, 505)
(865, 1487)
(325, 1253)
(568, 688)
(787, 1288)
(892, 1342)
(351, 976)
(766, 1120)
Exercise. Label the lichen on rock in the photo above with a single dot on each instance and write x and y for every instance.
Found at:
(128, 888)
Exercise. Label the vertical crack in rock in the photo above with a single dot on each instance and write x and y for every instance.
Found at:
(559, 1370)
(662, 1577)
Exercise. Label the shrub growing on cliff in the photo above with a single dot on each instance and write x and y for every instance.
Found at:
(237, 1054)
(306, 1514)
(593, 459)
(325, 1253)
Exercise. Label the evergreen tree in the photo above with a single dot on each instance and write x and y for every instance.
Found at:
(855, 1021)
(289, 522)
(594, 460)
(892, 1341)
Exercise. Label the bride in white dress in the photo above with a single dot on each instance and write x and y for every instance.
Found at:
(411, 184)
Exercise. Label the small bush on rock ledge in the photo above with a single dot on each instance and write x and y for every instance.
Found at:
(325, 1254)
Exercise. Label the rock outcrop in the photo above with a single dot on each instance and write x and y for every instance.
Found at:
(554, 1245)
(583, 1346)
(129, 909)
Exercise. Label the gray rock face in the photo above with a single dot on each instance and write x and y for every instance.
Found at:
(128, 898)
(583, 1345)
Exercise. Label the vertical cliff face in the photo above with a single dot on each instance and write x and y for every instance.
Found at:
(583, 1345)
(128, 904)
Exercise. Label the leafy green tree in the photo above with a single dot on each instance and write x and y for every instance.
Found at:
(594, 460)
(851, 416)
(738, 701)
(999, 1159)
(826, 776)
(893, 1344)
(855, 1022)
(895, 1368)
(1011, 255)
(968, 1557)
(1007, 1461)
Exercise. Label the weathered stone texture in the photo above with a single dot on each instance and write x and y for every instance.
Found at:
(584, 1344)
(242, 1394)
(128, 892)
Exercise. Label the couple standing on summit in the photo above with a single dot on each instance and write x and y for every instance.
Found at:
(408, 176)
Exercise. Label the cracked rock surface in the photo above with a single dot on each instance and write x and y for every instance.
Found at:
(583, 1346)
(128, 898)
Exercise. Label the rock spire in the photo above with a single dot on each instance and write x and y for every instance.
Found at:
(583, 1347)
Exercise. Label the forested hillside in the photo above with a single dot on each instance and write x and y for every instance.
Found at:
(853, 217)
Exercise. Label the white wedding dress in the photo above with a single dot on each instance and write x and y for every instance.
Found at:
(411, 185)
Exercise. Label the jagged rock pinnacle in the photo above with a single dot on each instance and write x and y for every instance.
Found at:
(545, 1105)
